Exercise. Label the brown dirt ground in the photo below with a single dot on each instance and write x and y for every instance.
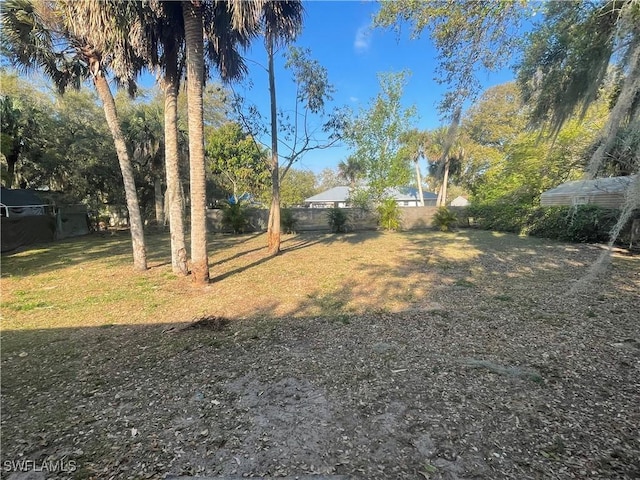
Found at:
(429, 366)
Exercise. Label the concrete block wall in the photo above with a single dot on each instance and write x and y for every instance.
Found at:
(315, 219)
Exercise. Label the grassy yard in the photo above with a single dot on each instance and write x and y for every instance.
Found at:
(370, 355)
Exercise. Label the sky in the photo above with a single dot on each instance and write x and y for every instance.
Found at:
(340, 37)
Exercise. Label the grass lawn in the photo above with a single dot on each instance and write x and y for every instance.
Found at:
(369, 355)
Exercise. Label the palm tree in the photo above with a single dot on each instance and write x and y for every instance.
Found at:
(227, 24)
(144, 132)
(194, 41)
(351, 170)
(415, 143)
(90, 31)
(446, 141)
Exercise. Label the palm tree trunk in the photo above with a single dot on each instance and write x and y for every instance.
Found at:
(419, 180)
(158, 199)
(172, 165)
(273, 230)
(135, 219)
(192, 12)
(445, 182)
(12, 161)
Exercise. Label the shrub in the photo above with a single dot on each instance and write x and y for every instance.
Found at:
(287, 221)
(502, 217)
(337, 219)
(389, 213)
(235, 216)
(583, 223)
(444, 219)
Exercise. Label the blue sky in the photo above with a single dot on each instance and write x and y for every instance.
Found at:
(340, 37)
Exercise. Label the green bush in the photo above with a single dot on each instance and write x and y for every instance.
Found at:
(389, 214)
(235, 216)
(337, 219)
(583, 223)
(444, 219)
(502, 217)
(287, 221)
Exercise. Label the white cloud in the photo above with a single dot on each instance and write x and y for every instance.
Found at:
(353, 99)
(362, 41)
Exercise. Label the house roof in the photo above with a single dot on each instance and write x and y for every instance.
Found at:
(410, 193)
(335, 194)
(19, 198)
(341, 194)
(605, 192)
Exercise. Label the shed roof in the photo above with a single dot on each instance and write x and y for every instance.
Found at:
(605, 192)
(19, 198)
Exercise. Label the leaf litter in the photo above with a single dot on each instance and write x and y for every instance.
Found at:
(509, 379)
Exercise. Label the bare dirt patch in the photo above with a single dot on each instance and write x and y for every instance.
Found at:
(412, 356)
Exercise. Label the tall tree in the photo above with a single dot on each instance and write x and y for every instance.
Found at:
(144, 131)
(567, 61)
(414, 144)
(228, 24)
(282, 21)
(75, 40)
(193, 29)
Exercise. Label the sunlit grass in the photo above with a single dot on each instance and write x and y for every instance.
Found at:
(90, 281)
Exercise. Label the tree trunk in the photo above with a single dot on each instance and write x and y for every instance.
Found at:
(273, 229)
(445, 182)
(194, 42)
(158, 199)
(12, 161)
(174, 197)
(419, 180)
(135, 219)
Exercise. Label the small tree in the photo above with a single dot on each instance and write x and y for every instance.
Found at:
(337, 219)
(389, 213)
(237, 161)
(375, 134)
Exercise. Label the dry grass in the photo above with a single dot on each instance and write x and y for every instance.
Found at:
(370, 355)
(89, 282)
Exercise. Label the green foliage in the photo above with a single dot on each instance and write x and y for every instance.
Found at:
(361, 198)
(444, 219)
(235, 216)
(337, 219)
(583, 223)
(296, 186)
(236, 161)
(376, 135)
(519, 166)
(288, 221)
(389, 214)
(567, 58)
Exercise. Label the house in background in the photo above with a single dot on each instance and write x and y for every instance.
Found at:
(339, 197)
(459, 202)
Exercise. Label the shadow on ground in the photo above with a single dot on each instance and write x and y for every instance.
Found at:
(425, 365)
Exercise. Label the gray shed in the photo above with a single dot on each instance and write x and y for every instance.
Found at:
(603, 192)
